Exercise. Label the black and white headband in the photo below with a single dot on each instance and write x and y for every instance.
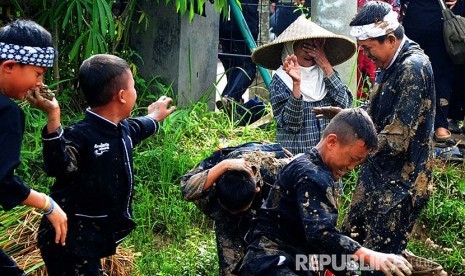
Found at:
(36, 56)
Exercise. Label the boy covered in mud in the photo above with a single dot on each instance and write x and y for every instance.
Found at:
(93, 165)
(229, 187)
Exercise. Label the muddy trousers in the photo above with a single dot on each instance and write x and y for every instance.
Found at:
(265, 257)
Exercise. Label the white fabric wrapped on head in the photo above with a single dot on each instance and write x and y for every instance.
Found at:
(380, 28)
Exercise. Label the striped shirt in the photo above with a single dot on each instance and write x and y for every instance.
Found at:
(298, 128)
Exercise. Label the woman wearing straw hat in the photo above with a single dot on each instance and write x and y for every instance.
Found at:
(303, 56)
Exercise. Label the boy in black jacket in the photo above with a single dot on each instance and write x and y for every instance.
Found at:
(92, 163)
(25, 53)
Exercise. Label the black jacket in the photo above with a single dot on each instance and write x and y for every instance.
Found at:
(13, 190)
(92, 162)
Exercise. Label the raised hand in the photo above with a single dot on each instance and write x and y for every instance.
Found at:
(159, 110)
(291, 67)
(44, 102)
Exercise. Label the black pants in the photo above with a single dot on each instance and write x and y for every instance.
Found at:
(8, 266)
(61, 262)
(240, 70)
(457, 99)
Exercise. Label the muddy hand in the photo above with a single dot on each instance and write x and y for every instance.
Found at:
(396, 265)
(239, 165)
(159, 110)
(42, 100)
(327, 112)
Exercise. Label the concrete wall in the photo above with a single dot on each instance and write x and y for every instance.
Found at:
(335, 16)
(180, 51)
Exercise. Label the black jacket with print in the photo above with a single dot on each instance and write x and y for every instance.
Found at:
(92, 163)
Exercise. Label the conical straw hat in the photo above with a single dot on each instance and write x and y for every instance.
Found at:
(337, 48)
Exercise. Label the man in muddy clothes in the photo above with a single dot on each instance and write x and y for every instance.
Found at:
(299, 217)
(229, 186)
(394, 184)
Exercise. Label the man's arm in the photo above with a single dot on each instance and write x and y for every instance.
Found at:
(198, 180)
(415, 87)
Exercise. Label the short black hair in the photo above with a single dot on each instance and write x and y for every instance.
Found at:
(101, 77)
(235, 190)
(353, 124)
(372, 12)
(25, 33)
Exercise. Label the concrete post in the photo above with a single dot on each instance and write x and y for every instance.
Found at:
(335, 16)
(182, 52)
(264, 16)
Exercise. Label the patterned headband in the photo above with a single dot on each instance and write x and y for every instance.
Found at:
(389, 24)
(36, 56)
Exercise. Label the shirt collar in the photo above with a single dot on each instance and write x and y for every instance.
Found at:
(101, 121)
(397, 52)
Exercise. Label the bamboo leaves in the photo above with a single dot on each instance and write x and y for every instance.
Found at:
(95, 24)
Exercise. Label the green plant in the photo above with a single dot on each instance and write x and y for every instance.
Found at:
(302, 9)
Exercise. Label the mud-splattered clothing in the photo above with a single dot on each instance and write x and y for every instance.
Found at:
(394, 184)
(93, 166)
(230, 229)
(298, 128)
(298, 217)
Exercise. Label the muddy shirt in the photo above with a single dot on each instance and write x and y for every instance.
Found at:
(394, 184)
(300, 216)
(230, 229)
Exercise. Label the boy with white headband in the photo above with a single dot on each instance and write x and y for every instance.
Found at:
(25, 53)
(395, 183)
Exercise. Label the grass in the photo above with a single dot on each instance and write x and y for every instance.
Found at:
(173, 237)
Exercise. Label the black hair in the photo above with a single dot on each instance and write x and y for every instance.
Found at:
(101, 77)
(353, 124)
(372, 12)
(25, 33)
(235, 190)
